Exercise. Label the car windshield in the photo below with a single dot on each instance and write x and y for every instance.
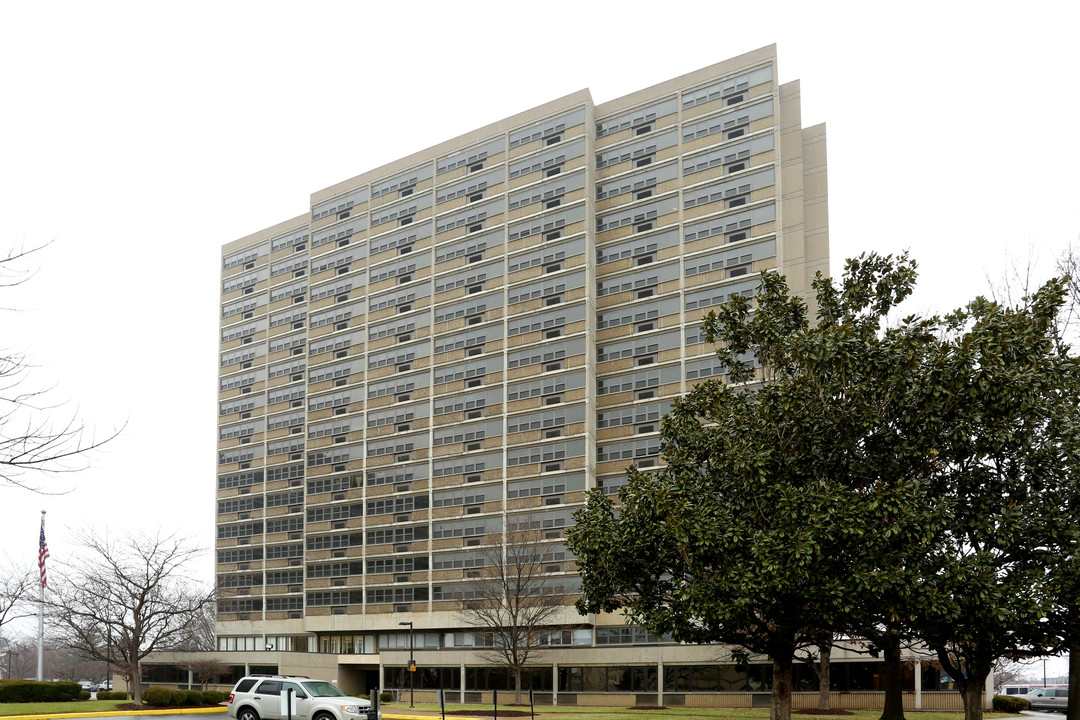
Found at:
(322, 689)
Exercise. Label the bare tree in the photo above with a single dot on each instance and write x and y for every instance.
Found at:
(122, 600)
(208, 671)
(1023, 277)
(20, 657)
(1009, 672)
(201, 636)
(16, 585)
(516, 599)
(1068, 267)
(32, 442)
(68, 664)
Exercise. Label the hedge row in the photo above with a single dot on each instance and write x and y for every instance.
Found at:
(159, 696)
(112, 695)
(16, 691)
(1010, 703)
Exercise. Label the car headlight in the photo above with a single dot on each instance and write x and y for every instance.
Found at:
(353, 709)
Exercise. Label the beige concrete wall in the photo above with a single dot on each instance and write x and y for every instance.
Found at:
(802, 228)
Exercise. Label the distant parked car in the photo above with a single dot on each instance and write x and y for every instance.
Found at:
(1049, 699)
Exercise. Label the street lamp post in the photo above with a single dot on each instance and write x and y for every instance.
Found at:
(412, 665)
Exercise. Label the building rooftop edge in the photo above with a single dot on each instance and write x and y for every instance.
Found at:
(535, 114)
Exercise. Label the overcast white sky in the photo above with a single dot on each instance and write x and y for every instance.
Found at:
(140, 137)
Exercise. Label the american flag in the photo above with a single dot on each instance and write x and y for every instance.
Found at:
(43, 552)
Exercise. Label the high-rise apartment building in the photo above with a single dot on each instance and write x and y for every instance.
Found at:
(458, 344)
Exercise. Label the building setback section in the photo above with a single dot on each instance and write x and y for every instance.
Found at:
(461, 343)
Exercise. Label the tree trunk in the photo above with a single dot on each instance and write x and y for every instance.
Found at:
(134, 681)
(1073, 712)
(970, 680)
(973, 698)
(892, 681)
(781, 687)
(823, 678)
(517, 686)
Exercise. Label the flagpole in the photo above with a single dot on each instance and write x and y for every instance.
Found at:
(42, 554)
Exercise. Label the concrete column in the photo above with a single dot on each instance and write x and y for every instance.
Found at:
(554, 683)
(660, 683)
(461, 692)
(918, 684)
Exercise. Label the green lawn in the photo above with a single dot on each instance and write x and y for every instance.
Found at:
(53, 708)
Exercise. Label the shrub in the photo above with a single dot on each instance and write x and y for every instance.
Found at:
(157, 696)
(214, 697)
(191, 697)
(112, 695)
(84, 695)
(385, 697)
(34, 691)
(1010, 703)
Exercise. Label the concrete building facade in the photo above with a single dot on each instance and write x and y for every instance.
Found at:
(459, 344)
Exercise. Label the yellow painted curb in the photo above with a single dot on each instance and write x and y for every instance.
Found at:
(196, 711)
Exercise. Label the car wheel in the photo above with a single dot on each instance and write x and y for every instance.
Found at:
(324, 716)
(247, 714)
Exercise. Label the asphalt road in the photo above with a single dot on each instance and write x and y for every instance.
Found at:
(178, 716)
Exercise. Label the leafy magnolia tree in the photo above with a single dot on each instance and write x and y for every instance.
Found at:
(124, 599)
(1007, 441)
(1066, 585)
(791, 493)
(517, 600)
(820, 663)
(1065, 588)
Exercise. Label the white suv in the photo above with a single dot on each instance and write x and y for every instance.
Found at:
(260, 697)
